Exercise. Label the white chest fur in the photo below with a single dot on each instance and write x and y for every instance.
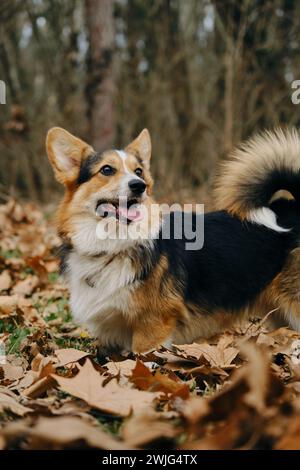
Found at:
(100, 290)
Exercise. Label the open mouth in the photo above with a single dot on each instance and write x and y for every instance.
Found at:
(125, 211)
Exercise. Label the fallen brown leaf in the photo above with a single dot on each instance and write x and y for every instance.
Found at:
(9, 401)
(8, 303)
(241, 405)
(221, 355)
(12, 372)
(123, 367)
(5, 280)
(60, 432)
(67, 356)
(144, 379)
(111, 398)
(146, 428)
(291, 438)
(39, 387)
(26, 286)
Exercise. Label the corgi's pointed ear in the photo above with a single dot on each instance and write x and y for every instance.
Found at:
(142, 147)
(65, 152)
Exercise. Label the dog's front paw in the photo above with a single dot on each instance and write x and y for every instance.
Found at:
(107, 353)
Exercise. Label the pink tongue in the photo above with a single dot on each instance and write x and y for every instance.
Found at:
(132, 213)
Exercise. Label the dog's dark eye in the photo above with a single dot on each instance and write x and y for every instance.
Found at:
(107, 170)
(138, 172)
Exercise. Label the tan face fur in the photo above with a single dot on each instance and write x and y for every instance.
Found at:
(80, 169)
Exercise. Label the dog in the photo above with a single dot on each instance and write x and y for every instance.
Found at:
(138, 293)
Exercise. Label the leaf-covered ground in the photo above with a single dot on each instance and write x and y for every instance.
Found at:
(240, 390)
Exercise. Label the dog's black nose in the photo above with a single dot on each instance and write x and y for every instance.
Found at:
(137, 186)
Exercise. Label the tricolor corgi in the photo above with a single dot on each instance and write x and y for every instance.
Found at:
(136, 293)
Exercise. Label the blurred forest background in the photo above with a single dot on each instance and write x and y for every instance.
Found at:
(200, 74)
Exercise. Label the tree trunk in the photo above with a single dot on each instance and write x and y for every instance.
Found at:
(100, 88)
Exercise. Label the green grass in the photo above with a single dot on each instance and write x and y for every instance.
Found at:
(110, 424)
(8, 325)
(61, 310)
(26, 271)
(10, 254)
(84, 344)
(53, 277)
(15, 340)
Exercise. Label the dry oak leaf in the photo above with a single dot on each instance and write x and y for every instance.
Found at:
(221, 355)
(283, 337)
(12, 372)
(291, 438)
(144, 379)
(39, 387)
(265, 339)
(188, 366)
(68, 356)
(9, 401)
(28, 311)
(38, 265)
(252, 387)
(27, 380)
(142, 429)
(52, 265)
(26, 286)
(88, 385)
(194, 409)
(73, 407)
(13, 368)
(237, 412)
(41, 373)
(8, 303)
(224, 437)
(17, 213)
(60, 432)
(5, 280)
(123, 367)
(257, 373)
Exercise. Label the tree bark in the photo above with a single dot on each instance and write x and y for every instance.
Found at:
(100, 87)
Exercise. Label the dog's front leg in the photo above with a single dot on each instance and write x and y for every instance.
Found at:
(151, 331)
